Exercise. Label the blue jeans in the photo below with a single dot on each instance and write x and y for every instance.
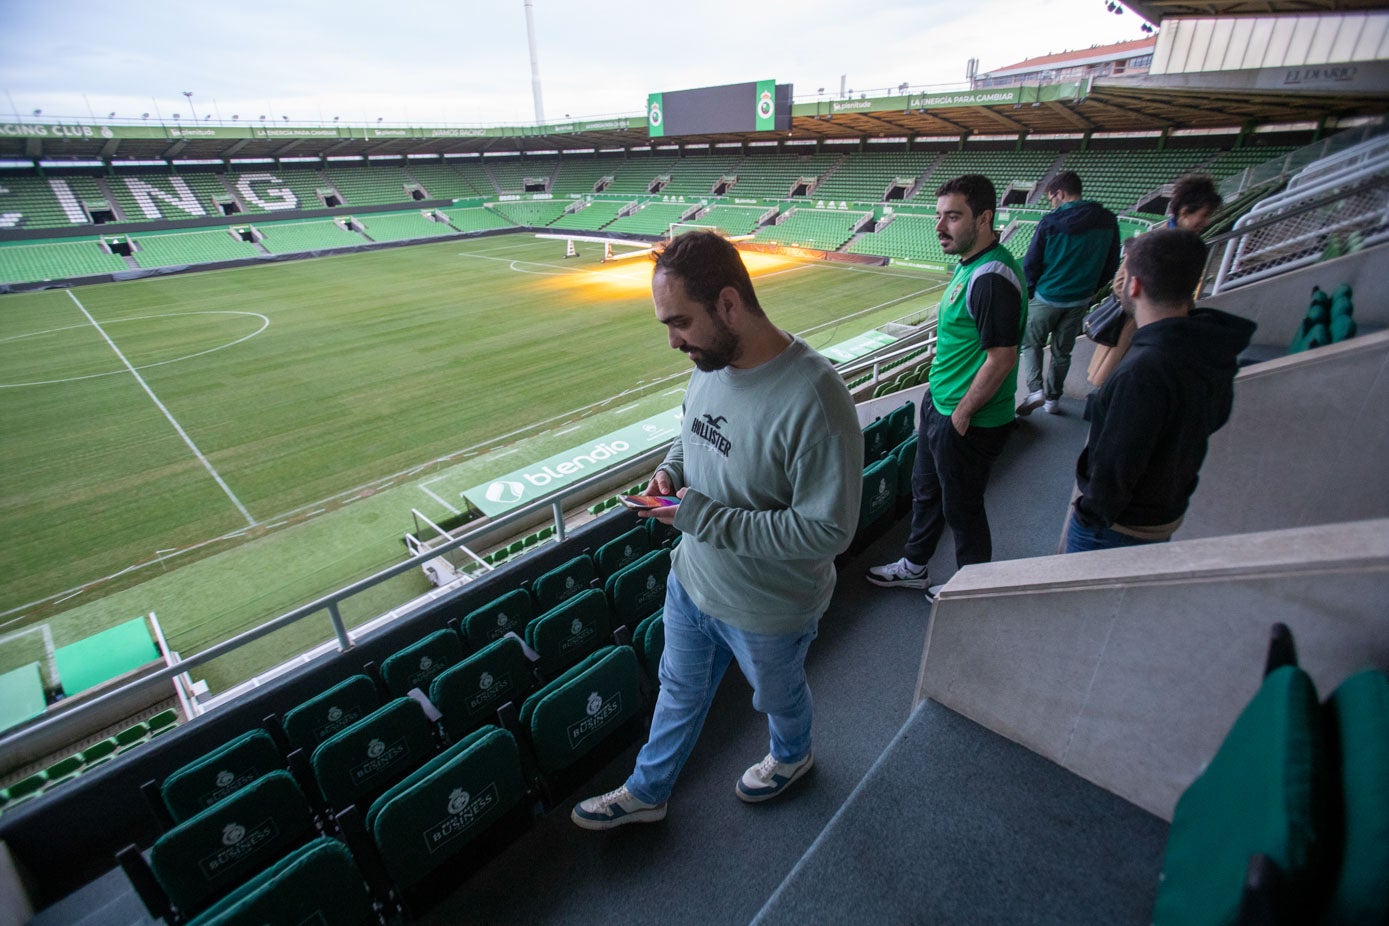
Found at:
(1082, 539)
(698, 650)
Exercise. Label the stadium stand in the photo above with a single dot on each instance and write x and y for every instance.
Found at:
(867, 178)
(57, 260)
(530, 214)
(291, 237)
(651, 219)
(636, 176)
(153, 196)
(441, 180)
(1007, 170)
(403, 226)
(734, 220)
(816, 228)
(170, 249)
(511, 175)
(594, 216)
(370, 185)
(696, 176)
(1142, 173)
(29, 201)
(273, 188)
(906, 237)
(777, 176)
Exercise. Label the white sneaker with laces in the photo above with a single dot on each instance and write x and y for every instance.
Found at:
(901, 574)
(1052, 406)
(616, 808)
(769, 778)
(1030, 404)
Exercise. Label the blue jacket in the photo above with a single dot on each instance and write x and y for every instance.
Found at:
(1074, 252)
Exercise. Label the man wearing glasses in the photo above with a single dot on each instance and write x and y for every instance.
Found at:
(1074, 252)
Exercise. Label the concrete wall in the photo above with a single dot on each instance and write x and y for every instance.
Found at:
(1128, 667)
(1307, 443)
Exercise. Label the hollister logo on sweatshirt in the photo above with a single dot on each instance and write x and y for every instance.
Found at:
(707, 426)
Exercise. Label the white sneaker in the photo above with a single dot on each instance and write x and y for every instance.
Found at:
(1030, 404)
(769, 778)
(1052, 406)
(901, 574)
(615, 809)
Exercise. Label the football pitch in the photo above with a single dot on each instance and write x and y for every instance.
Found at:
(159, 434)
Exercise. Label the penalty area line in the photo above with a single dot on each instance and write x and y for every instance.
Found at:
(207, 464)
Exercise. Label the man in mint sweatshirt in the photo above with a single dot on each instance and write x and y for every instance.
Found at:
(768, 469)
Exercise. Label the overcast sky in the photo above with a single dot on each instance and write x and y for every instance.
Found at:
(466, 61)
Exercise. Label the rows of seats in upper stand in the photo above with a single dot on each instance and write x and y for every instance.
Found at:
(367, 796)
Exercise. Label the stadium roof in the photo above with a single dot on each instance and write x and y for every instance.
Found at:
(1154, 11)
(1079, 56)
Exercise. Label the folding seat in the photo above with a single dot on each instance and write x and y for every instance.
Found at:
(220, 773)
(98, 753)
(902, 422)
(132, 736)
(418, 664)
(317, 883)
(201, 858)
(649, 639)
(877, 440)
(509, 613)
(468, 694)
(905, 455)
(564, 581)
(444, 807)
(638, 590)
(63, 770)
(597, 702)
(163, 722)
(310, 723)
(356, 764)
(879, 492)
(625, 548)
(570, 631)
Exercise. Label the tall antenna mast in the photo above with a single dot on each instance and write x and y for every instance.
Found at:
(535, 62)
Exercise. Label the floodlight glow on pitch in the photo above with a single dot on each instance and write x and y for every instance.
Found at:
(631, 279)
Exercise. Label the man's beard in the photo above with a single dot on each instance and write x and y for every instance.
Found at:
(724, 350)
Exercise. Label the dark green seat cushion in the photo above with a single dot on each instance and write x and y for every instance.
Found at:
(318, 718)
(418, 664)
(509, 613)
(469, 693)
(1359, 713)
(877, 440)
(206, 855)
(879, 491)
(316, 883)
(903, 419)
(358, 763)
(638, 590)
(439, 809)
(1263, 792)
(219, 774)
(577, 711)
(563, 582)
(570, 631)
(905, 455)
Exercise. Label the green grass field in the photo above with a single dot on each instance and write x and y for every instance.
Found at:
(269, 397)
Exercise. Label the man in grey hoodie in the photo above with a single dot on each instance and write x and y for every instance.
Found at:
(768, 469)
(1074, 252)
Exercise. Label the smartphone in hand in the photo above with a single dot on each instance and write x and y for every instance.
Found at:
(646, 502)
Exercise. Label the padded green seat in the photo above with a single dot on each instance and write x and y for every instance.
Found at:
(563, 582)
(316, 883)
(574, 713)
(204, 856)
(905, 455)
(1260, 794)
(649, 639)
(469, 693)
(219, 774)
(509, 613)
(318, 718)
(440, 808)
(99, 753)
(417, 665)
(877, 440)
(163, 722)
(1359, 711)
(132, 736)
(354, 765)
(31, 784)
(638, 590)
(63, 770)
(624, 549)
(879, 492)
(570, 631)
(902, 419)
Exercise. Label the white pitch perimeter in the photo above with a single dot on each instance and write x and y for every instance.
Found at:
(167, 414)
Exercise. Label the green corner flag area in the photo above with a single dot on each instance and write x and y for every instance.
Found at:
(221, 447)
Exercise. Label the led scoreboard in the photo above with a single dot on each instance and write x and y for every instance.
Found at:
(759, 106)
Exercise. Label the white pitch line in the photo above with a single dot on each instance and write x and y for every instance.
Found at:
(439, 500)
(167, 414)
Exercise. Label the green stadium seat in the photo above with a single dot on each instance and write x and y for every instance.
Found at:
(98, 753)
(903, 423)
(625, 548)
(1359, 713)
(570, 631)
(163, 722)
(469, 693)
(310, 723)
(638, 590)
(563, 582)
(132, 736)
(317, 883)
(219, 774)
(878, 440)
(649, 640)
(417, 665)
(879, 493)
(509, 613)
(63, 770)
(905, 455)
(203, 857)
(442, 807)
(30, 786)
(356, 764)
(583, 708)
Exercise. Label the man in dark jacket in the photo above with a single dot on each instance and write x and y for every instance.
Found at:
(1150, 423)
(1074, 252)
